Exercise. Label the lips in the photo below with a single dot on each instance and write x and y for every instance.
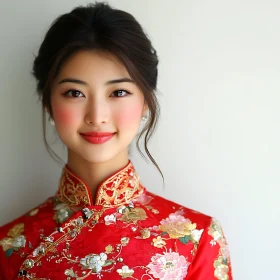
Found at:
(98, 134)
(97, 137)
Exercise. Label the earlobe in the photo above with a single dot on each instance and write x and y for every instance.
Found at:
(145, 113)
(145, 109)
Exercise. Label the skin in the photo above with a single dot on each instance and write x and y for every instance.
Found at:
(95, 105)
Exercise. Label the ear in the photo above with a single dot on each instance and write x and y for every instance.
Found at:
(145, 109)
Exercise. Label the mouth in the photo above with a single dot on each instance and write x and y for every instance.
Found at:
(98, 134)
(97, 137)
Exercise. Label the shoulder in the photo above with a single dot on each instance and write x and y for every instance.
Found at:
(22, 232)
(33, 214)
(168, 207)
(175, 214)
(209, 257)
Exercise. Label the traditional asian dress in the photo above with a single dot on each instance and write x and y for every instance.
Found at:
(127, 232)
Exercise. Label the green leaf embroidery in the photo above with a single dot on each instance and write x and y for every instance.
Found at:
(9, 252)
(108, 262)
(185, 239)
(164, 233)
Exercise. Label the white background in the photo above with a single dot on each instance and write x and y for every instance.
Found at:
(218, 140)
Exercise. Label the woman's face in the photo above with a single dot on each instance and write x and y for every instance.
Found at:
(89, 96)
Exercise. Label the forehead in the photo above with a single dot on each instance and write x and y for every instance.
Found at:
(90, 64)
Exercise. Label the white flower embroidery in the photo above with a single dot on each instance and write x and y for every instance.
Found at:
(19, 241)
(94, 262)
(196, 234)
(213, 242)
(110, 219)
(125, 271)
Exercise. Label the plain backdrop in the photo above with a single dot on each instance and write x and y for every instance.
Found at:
(218, 139)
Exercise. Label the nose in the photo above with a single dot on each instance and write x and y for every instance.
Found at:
(97, 111)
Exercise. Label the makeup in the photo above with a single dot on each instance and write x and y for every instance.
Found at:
(97, 137)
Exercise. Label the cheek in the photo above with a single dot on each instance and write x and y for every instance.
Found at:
(64, 116)
(130, 115)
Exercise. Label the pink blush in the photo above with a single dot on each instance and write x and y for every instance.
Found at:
(129, 115)
(65, 116)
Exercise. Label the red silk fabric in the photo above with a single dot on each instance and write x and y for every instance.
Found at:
(127, 232)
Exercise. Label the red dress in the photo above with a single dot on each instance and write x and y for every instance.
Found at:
(127, 232)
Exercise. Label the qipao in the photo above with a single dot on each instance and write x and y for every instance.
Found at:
(127, 232)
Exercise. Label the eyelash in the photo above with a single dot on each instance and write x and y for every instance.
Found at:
(74, 90)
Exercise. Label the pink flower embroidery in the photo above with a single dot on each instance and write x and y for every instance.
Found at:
(175, 217)
(168, 266)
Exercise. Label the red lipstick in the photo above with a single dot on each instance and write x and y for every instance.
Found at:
(97, 137)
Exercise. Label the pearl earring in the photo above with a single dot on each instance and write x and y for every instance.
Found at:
(144, 118)
(51, 121)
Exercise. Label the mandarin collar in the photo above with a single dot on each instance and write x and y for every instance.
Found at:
(118, 189)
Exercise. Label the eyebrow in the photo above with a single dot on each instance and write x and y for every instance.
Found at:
(116, 81)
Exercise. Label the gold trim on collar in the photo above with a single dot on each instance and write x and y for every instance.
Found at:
(118, 189)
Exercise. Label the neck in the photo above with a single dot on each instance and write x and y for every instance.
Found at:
(93, 174)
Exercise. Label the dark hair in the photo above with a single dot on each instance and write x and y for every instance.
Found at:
(99, 27)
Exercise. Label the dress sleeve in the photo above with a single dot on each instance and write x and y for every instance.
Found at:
(212, 260)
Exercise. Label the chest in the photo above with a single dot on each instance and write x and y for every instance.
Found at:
(130, 242)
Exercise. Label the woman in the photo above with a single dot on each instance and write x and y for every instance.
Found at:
(96, 74)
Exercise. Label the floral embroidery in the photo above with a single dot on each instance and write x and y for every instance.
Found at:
(109, 249)
(159, 242)
(125, 271)
(15, 241)
(124, 241)
(168, 266)
(196, 234)
(133, 215)
(70, 272)
(145, 233)
(16, 230)
(178, 227)
(221, 269)
(94, 262)
(63, 212)
(221, 263)
(122, 187)
(33, 212)
(110, 219)
(142, 239)
(39, 250)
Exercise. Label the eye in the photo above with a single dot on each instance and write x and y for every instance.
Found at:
(119, 93)
(73, 93)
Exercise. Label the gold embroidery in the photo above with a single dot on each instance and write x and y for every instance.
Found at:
(222, 262)
(16, 230)
(145, 233)
(33, 212)
(67, 234)
(15, 241)
(178, 229)
(159, 242)
(133, 215)
(117, 190)
(6, 243)
(70, 192)
(109, 249)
